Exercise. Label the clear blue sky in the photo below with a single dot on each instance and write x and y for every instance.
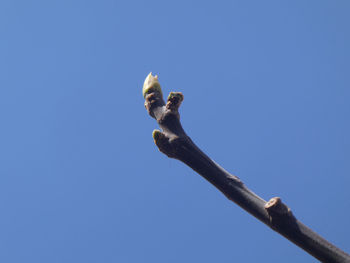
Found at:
(267, 91)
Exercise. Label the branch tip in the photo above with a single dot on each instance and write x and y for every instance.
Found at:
(174, 100)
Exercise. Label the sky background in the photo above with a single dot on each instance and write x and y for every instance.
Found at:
(267, 90)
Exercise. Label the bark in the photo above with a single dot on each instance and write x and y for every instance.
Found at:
(174, 142)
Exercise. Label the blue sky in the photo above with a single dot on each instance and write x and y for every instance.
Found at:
(266, 86)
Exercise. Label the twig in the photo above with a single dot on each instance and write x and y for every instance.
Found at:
(174, 142)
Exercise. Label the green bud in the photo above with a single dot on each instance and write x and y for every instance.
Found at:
(177, 95)
(151, 84)
(156, 134)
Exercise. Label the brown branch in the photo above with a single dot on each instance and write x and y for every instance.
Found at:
(174, 142)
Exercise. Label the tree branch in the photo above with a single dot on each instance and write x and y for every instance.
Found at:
(174, 142)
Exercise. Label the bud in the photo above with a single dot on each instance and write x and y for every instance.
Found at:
(150, 85)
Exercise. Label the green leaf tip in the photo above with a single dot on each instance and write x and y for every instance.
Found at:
(150, 85)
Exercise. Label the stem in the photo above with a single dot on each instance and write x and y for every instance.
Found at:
(174, 142)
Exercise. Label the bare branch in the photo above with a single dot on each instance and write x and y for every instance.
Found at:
(174, 142)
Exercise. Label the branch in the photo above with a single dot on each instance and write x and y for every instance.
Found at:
(174, 142)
